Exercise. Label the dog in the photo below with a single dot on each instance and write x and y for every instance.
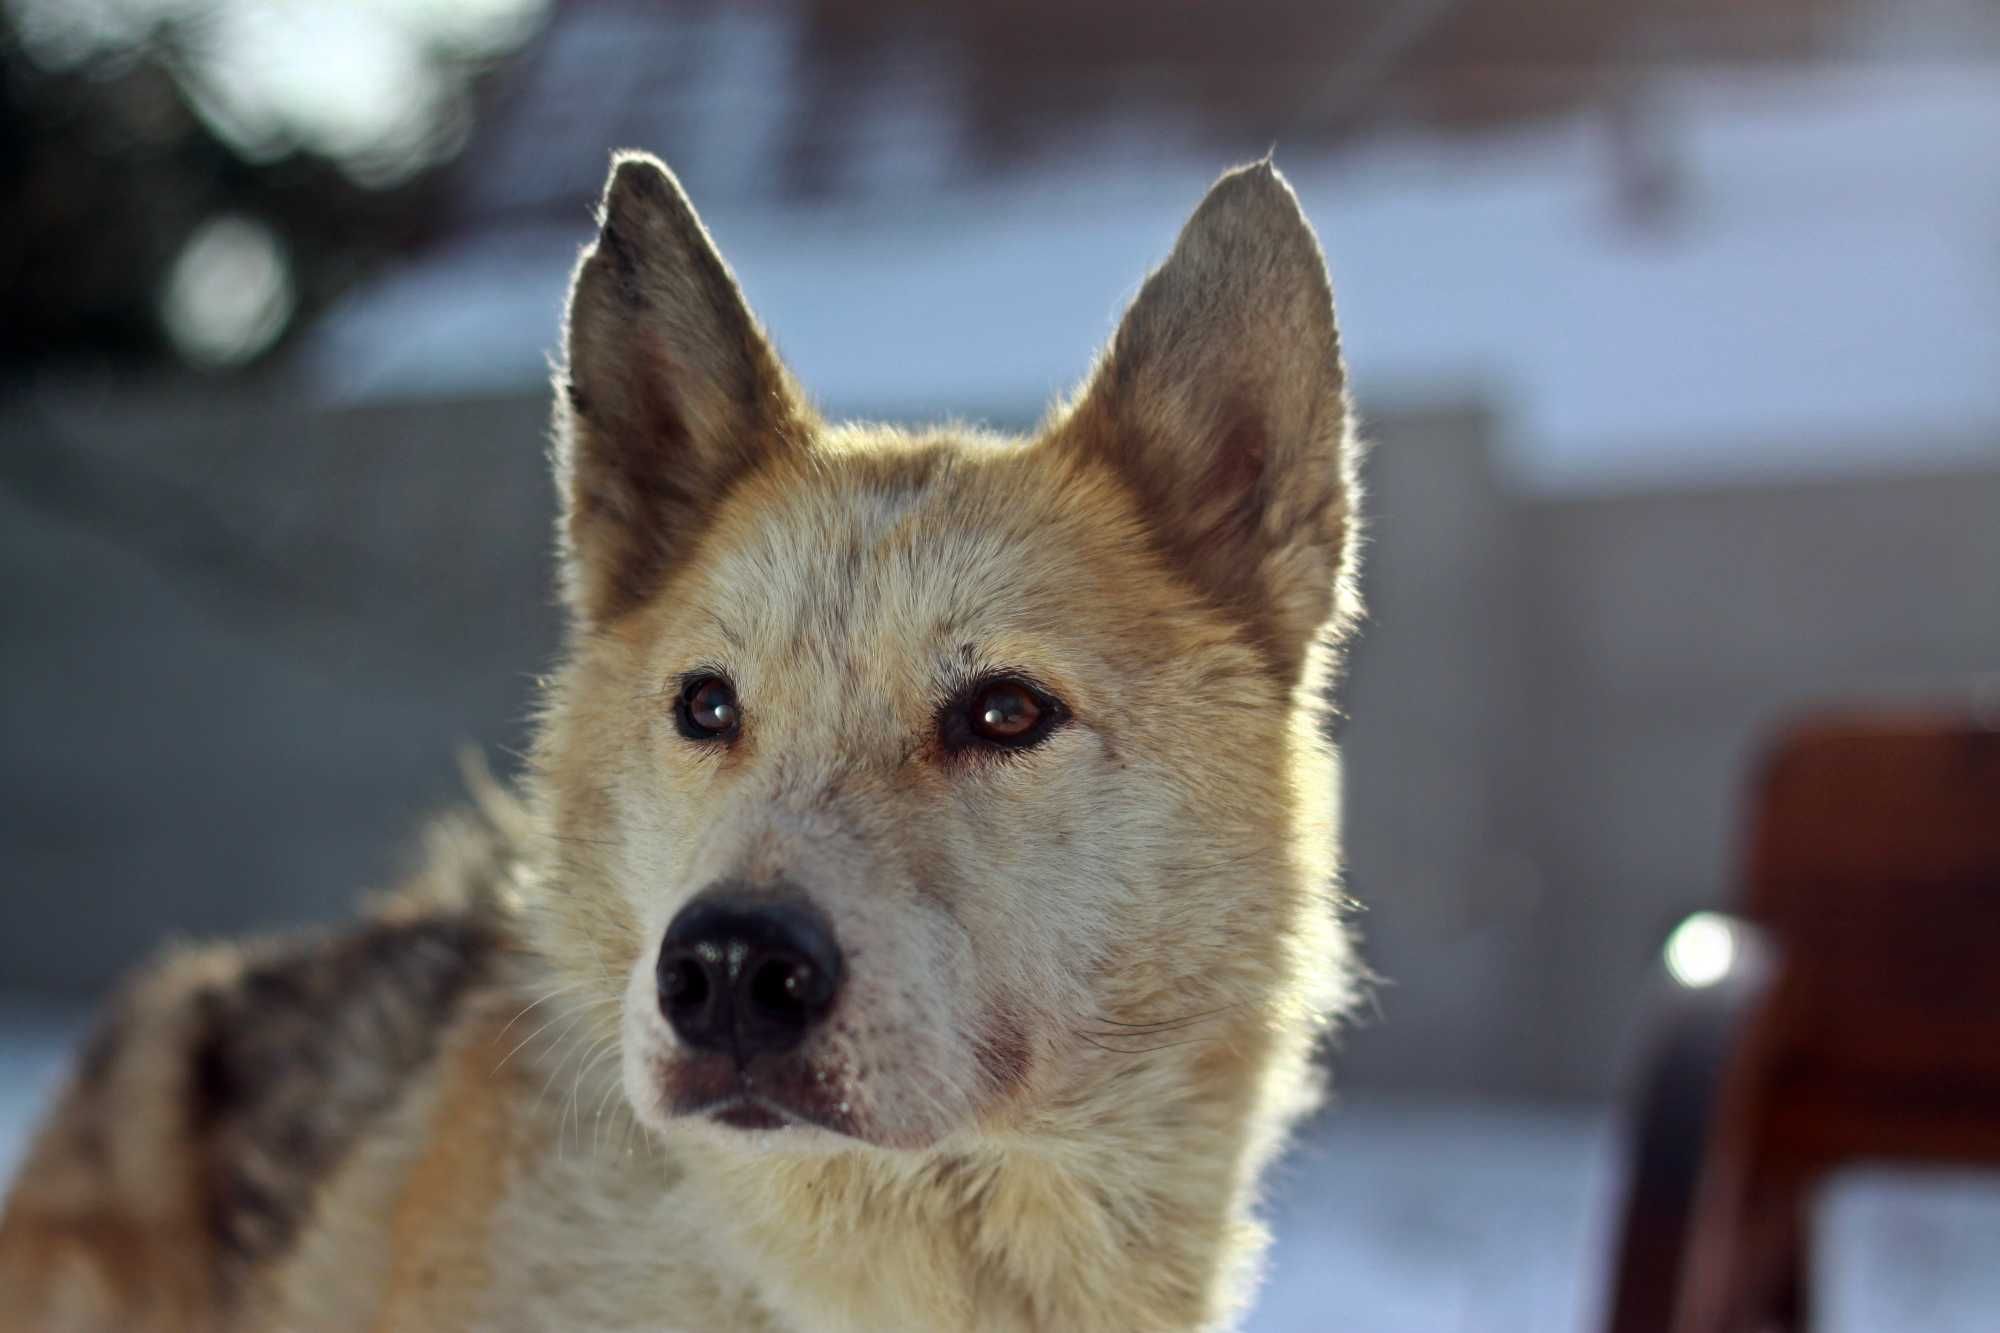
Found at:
(921, 910)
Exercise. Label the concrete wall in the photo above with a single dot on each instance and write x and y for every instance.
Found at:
(1554, 709)
(1669, 635)
(242, 647)
(1432, 704)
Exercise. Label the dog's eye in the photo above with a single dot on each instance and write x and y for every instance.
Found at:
(1004, 712)
(708, 709)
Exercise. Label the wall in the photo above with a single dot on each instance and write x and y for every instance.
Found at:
(243, 646)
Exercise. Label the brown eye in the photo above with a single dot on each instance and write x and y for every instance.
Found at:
(708, 709)
(1004, 711)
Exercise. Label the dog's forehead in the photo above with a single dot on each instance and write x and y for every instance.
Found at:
(920, 550)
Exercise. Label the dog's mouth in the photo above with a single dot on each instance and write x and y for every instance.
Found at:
(790, 1094)
(750, 1114)
(756, 1113)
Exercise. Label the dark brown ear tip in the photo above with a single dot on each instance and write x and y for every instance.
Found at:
(640, 186)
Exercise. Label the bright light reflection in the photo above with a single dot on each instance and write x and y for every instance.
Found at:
(1702, 950)
(230, 292)
(380, 87)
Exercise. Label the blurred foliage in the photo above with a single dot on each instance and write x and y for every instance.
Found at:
(129, 124)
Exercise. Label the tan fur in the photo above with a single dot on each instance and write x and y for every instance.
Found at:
(1087, 980)
(105, 1219)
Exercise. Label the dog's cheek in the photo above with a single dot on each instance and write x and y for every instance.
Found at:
(662, 850)
(904, 1043)
(1043, 910)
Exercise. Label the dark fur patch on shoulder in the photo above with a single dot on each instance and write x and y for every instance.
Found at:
(300, 1053)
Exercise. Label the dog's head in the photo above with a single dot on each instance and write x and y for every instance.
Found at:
(909, 785)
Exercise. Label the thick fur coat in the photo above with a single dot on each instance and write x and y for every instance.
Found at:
(1032, 730)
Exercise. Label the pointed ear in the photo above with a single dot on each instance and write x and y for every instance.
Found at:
(1222, 403)
(668, 395)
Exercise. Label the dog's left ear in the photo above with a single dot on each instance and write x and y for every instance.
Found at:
(1222, 403)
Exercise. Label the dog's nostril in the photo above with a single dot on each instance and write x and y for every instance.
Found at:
(785, 988)
(684, 982)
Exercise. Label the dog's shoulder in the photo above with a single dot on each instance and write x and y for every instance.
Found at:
(223, 1088)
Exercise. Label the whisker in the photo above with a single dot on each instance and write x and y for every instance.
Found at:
(585, 1066)
(1168, 1024)
(1143, 1050)
(611, 1090)
(544, 1028)
(578, 1017)
(536, 1004)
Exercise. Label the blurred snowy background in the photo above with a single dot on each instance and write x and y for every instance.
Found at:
(1677, 323)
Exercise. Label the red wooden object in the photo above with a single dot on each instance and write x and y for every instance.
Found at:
(1862, 1022)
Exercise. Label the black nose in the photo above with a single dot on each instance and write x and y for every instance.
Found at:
(747, 972)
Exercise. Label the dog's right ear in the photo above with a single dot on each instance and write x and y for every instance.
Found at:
(669, 393)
